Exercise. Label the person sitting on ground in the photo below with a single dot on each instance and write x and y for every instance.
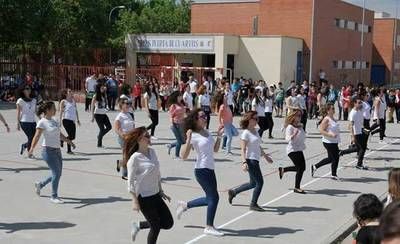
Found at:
(367, 210)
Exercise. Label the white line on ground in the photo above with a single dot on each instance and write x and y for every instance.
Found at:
(285, 195)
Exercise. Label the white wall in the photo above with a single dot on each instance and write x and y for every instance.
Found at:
(290, 47)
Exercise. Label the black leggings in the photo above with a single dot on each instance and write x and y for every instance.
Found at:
(361, 146)
(263, 124)
(207, 111)
(345, 113)
(29, 128)
(304, 119)
(157, 215)
(270, 122)
(154, 121)
(138, 102)
(333, 157)
(299, 166)
(70, 128)
(104, 125)
(381, 129)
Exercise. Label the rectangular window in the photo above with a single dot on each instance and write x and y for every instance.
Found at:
(350, 25)
(367, 65)
(335, 64)
(340, 64)
(356, 26)
(348, 65)
(354, 65)
(369, 29)
(342, 23)
(364, 65)
(398, 40)
(346, 24)
(337, 22)
(397, 66)
(358, 64)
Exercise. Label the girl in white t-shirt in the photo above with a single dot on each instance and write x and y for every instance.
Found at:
(68, 115)
(188, 98)
(295, 136)
(123, 124)
(204, 103)
(50, 129)
(379, 113)
(251, 153)
(269, 108)
(151, 103)
(26, 109)
(201, 140)
(99, 113)
(258, 105)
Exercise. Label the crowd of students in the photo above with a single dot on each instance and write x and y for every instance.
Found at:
(190, 105)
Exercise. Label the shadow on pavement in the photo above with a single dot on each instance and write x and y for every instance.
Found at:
(363, 180)
(19, 170)
(98, 154)
(14, 227)
(264, 232)
(85, 202)
(333, 192)
(384, 158)
(76, 159)
(284, 210)
(174, 178)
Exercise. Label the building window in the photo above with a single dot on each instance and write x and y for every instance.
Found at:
(340, 64)
(346, 24)
(356, 26)
(354, 64)
(369, 29)
(335, 64)
(367, 65)
(337, 22)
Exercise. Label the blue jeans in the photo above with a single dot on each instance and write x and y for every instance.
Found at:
(29, 128)
(53, 158)
(180, 140)
(229, 132)
(124, 168)
(208, 182)
(256, 181)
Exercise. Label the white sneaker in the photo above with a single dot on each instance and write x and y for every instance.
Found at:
(333, 177)
(212, 231)
(37, 188)
(56, 200)
(382, 142)
(134, 231)
(182, 207)
(178, 159)
(154, 138)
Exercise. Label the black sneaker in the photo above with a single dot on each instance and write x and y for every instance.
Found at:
(22, 149)
(118, 166)
(340, 153)
(362, 167)
(280, 169)
(255, 207)
(231, 195)
(313, 169)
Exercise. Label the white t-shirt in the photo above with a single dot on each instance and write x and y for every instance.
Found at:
(204, 147)
(259, 108)
(358, 121)
(51, 132)
(152, 101)
(91, 84)
(207, 85)
(253, 150)
(229, 97)
(268, 105)
(126, 122)
(193, 86)
(28, 110)
(100, 106)
(302, 101)
(188, 99)
(204, 100)
(298, 142)
(333, 127)
(69, 110)
(366, 110)
(144, 177)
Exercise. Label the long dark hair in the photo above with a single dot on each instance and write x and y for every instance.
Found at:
(218, 100)
(150, 91)
(131, 142)
(99, 95)
(190, 122)
(173, 99)
(22, 94)
(244, 122)
(44, 107)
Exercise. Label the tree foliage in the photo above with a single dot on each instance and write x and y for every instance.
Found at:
(70, 24)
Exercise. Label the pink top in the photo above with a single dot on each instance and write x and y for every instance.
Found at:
(225, 114)
(177, 113)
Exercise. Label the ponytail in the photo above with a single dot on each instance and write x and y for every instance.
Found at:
(44, 107)
(131, 143)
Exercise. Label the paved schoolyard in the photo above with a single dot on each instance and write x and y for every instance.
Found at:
(97, 205)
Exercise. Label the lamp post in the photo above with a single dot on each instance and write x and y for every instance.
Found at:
(392, 77)
(117, 7)
(109, 20)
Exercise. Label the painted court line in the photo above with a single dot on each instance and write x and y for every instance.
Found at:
(286, 194)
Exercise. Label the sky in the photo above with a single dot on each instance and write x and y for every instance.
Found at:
(388, 6)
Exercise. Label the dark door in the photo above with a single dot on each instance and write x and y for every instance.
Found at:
(378, 74)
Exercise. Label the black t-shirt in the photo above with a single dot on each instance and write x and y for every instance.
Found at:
(244, 90)
(368, 235)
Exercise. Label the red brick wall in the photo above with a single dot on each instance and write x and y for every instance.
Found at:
(334, 43)
(383, 43)
(228, 18)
